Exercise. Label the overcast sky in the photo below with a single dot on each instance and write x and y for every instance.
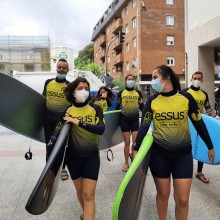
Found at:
(67, 22)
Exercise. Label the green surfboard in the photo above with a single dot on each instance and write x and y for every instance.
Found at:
(128, 199)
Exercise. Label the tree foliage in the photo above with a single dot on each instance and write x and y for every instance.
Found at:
(85, 60)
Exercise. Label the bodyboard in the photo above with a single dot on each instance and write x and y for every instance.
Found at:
(128, 200)
(21, 108)
(112, 135)
(199, 148)
(47, 184)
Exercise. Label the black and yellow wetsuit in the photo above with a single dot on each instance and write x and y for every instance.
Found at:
(56, 104)
(171, 149)
(169, 112)
(84, 140)
(201, 98)
(104, 103)
(131, 101)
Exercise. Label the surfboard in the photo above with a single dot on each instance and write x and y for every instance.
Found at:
(21, 108)
(128, 199)
(47, 184)
(199, 148)
(112, 135)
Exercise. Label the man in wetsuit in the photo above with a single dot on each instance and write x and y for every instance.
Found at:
(56, 104)
(202, 100)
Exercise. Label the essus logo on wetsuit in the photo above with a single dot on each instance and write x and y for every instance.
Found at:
(169, 116)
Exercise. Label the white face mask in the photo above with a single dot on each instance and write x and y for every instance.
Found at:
(196, 83)
(81, 95)
(130, 83)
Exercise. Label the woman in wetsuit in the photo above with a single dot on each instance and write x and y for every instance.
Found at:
(171, 150)
(82, 154)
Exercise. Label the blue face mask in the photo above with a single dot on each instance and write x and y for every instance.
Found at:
(156, 85)
(61, 76)
(130, 83)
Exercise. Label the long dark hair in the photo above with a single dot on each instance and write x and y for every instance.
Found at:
(166, 72)
(110, 94)
(69, 90)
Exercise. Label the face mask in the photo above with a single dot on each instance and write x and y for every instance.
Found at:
(130, 83)
(82, 95)
(156, 85)
(61, 76)
(196, 83)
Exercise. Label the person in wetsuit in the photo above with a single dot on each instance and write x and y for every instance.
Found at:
(202, 100)
(82, 154)
(56, 104)
(130, 100)
(104, 98)
(171, 149)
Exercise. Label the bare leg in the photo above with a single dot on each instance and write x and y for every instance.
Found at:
(78, 185)
(89, 187)
(85, 189)
(163, 193)
(126, 136)
(134, 135)
(181, 196)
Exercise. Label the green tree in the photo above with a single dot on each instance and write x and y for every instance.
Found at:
(86, 56)
(85, 60)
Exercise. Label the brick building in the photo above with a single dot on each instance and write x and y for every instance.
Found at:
(154, 35)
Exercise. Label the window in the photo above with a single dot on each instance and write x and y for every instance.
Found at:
(134, 43)
(135, 62)
(113, 55)
(126, 29)
(127, 47)
(169, 2)
(133, 3)
(108, 59)
(96, 54)
(119, 68)
(29, 56)
(170, 40)
(170, 61)
(127, 66)
(134, 23)
(29, 67)
(113, 70)
(170, 20)
(126, 10)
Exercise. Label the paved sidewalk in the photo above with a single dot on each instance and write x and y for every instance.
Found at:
(19, 176)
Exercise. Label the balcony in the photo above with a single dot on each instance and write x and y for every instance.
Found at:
(118, 59)
(117, 26)
(102, 40)
(102, 54)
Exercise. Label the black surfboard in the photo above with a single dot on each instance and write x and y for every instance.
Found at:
(47, 184)
(21, 108)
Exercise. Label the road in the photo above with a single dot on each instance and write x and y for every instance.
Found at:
(18, 177)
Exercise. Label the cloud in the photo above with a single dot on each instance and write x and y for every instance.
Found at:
(68, 22)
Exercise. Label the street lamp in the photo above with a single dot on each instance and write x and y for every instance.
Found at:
(106, 52)
(142, 9)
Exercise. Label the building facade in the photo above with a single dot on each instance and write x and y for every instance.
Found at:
(154, 35)
(60, 52)
(24, 53)
(202, 42)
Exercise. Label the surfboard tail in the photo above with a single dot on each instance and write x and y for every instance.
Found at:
(130, 193)
(47, 184)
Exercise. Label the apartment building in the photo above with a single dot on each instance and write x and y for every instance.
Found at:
(154, 35)
(202, 42)
(24, 53)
